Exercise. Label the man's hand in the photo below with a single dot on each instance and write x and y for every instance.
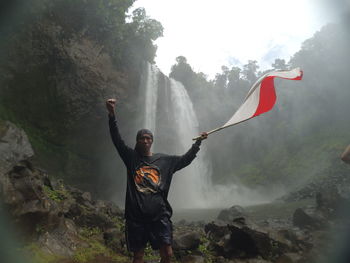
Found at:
(110, 105)
(203, 136)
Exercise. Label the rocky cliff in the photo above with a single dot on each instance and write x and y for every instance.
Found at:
(55, 76)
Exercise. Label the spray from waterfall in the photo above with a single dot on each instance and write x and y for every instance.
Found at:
(151, 97)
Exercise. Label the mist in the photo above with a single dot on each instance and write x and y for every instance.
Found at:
(258, 161)
(300, 139)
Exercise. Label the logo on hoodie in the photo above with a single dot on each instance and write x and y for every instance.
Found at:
(147, 178)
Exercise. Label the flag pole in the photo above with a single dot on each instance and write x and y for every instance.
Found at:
(219, 129)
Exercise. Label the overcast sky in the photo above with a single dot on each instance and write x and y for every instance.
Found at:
(231, 32)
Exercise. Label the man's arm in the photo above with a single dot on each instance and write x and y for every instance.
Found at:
(189, 156)
(124, 151)
(346, 155)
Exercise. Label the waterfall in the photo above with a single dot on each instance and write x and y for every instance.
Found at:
(188, 184)
(169, 113)
(175, 111)
(151, 97)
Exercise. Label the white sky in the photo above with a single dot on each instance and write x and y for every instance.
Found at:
(231, 32)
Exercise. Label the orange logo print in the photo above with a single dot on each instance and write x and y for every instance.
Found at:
(147, 179)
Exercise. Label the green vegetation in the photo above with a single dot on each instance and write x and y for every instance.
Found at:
(87, 232)
(56, 195)
(104, 21)
(85, 254)
(203, 248)
(95, 247)
(150, 254)
(37, 255)
(119, 223)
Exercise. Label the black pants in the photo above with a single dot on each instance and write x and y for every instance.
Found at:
(158, 233)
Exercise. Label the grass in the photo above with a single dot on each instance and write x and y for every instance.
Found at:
(37, 255)
(56, 195)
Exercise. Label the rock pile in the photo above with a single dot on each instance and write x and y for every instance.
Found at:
(45, 210)
(61, 219)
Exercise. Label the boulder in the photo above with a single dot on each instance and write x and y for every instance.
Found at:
(330, 203)
(14, 146)
(233, 212)
(305, 220)
(109, 208)
(62, 241)
(296, 241)
(45, 210)
(241, 241)
(186, 241)
(115, 239)
(289, 258)
(25, 195)
(193, 259)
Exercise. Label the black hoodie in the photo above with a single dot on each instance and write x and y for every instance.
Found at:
(148, 178)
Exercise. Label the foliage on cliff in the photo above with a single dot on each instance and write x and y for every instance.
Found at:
(59, 61)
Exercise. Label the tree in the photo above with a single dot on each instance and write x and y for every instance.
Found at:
(182, 71)
(234, 77)
(250, 71)
(139, 35)
(221, 79)
(279, 64)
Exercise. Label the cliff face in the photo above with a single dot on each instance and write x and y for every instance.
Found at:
(54, 85)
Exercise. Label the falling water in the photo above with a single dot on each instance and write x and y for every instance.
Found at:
(191, 181)
(151, 97)
(169, 113)
(178, 114)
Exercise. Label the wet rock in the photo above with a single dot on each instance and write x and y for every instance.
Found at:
(14, 146)
(289, 258)
(114, 239)
(108, 208)
(291, 238)
(252, 260)
(86, 196)
(330, 202)
(25, 197)
(89, 213)
(46, 211)
(186, 241)
(304, 220)
(233, 212)
(331, 182)
(193, 259)
(89, 217)
(238, 240)
(220, 259)
(62, 241)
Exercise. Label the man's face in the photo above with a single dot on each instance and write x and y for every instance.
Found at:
(144, 142)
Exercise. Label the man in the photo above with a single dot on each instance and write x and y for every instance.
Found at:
(149, 175)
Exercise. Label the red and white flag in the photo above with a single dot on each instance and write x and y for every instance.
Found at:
(262, 96)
